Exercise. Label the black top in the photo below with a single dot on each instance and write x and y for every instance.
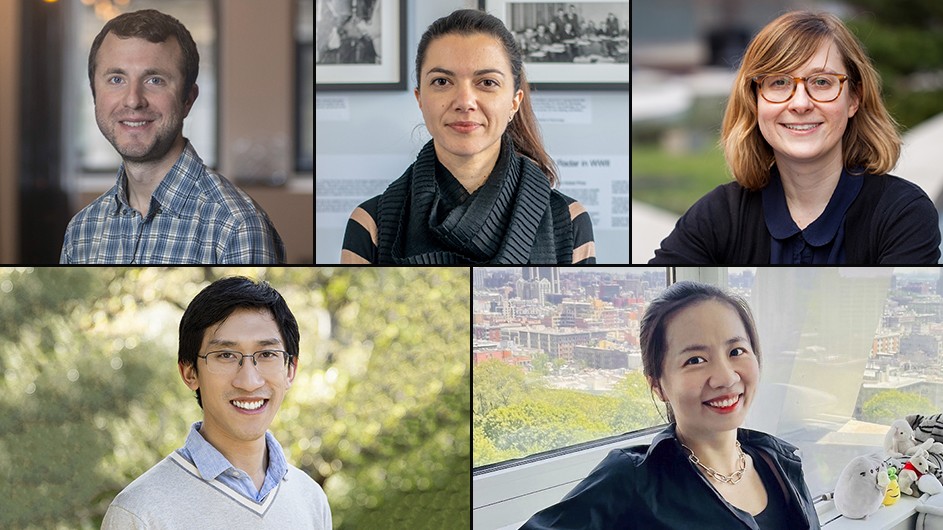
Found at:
(891, 221)
(776, 515)
(656, 487)
(822, 241)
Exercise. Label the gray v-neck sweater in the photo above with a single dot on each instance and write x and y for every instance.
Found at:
(173, 495)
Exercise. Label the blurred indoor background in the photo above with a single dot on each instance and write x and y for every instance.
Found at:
(253, 121)
(684, 58)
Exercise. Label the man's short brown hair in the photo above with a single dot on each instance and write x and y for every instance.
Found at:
(153, 26)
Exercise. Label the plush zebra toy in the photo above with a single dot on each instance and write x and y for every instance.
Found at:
(926, 427)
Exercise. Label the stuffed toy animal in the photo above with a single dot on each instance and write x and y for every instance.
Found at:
(899, 440)
(861, 487)
(926, 427)
(893, 488)
(916, 468)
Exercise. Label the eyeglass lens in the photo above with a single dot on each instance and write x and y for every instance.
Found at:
(228, 362)
(822, 88)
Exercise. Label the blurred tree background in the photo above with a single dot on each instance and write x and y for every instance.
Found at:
(905, 42)
(378, 414)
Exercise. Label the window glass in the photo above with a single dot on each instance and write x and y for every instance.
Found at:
(557, 359)
(304, 36)
(845, 352)
(93, 152)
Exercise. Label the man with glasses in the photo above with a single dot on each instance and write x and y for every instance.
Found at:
(239, 352)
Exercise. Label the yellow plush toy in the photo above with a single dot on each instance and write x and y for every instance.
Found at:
(893, 489)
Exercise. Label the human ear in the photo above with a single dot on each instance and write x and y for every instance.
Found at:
(189, 375)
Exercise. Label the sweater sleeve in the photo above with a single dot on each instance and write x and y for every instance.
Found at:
(360, 239)
(584, 245)
(118, 518)
(701, 236)
(908, 231)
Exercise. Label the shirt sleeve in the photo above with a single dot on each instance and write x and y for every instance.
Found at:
(254, 242)
(596, 503)
(360, 238)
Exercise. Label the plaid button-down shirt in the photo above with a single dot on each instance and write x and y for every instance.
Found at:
(195, 216)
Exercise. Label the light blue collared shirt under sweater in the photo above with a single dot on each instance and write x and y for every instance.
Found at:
(213, 465)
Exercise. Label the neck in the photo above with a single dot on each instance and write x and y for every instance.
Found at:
(144, 177)
(808, 188)
(249, 456)
(472, 171)
(717, 450)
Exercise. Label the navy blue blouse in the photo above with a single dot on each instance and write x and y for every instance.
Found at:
(822, 242)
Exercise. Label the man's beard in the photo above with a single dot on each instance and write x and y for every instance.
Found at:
(137, 152)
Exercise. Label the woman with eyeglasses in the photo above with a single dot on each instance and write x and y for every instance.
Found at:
(809, 142)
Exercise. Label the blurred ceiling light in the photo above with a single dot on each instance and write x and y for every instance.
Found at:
(105, 9)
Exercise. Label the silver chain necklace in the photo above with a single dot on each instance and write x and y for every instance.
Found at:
(732, 478)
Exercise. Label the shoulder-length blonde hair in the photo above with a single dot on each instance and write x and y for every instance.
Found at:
(871, 140)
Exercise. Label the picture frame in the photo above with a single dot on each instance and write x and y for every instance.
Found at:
(360, 45)
(593, 55)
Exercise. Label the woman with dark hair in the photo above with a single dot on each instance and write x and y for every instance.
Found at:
(701, 356)
(481, 191)
(809, 141)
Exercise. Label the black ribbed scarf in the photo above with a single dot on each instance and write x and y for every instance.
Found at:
(509, 220)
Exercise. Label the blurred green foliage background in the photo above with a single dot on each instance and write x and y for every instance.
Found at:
(90, 396)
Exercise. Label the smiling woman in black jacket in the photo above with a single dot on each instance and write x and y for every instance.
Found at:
(701, 356)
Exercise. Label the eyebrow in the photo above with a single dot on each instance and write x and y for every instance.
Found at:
(440, 70)
(231, 343)
(148, 71)
(703, 347)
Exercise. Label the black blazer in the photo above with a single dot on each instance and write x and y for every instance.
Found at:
(656, 486)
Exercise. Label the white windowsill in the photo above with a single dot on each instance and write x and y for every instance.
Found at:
(505, 499)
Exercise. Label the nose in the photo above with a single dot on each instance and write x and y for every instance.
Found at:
(800, 101)
(465, 97)
(134, 97)
(722, 374)
(248, 376)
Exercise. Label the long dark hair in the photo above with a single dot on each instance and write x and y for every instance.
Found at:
(523, 130)
(678, 296)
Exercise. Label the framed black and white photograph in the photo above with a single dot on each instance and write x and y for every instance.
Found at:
(574, 45)
(360, 45)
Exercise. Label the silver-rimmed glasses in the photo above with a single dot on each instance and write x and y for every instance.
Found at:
(779, 88)
(228, 362)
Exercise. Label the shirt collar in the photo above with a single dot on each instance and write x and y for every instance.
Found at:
(175, 188)
(211, 463)
(821, 231)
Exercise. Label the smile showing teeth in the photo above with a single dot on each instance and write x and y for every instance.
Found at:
(722, 404)
(807, 127)
(248, 405)
(134, 123)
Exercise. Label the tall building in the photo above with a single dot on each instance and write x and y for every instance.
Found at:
(551, 274)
